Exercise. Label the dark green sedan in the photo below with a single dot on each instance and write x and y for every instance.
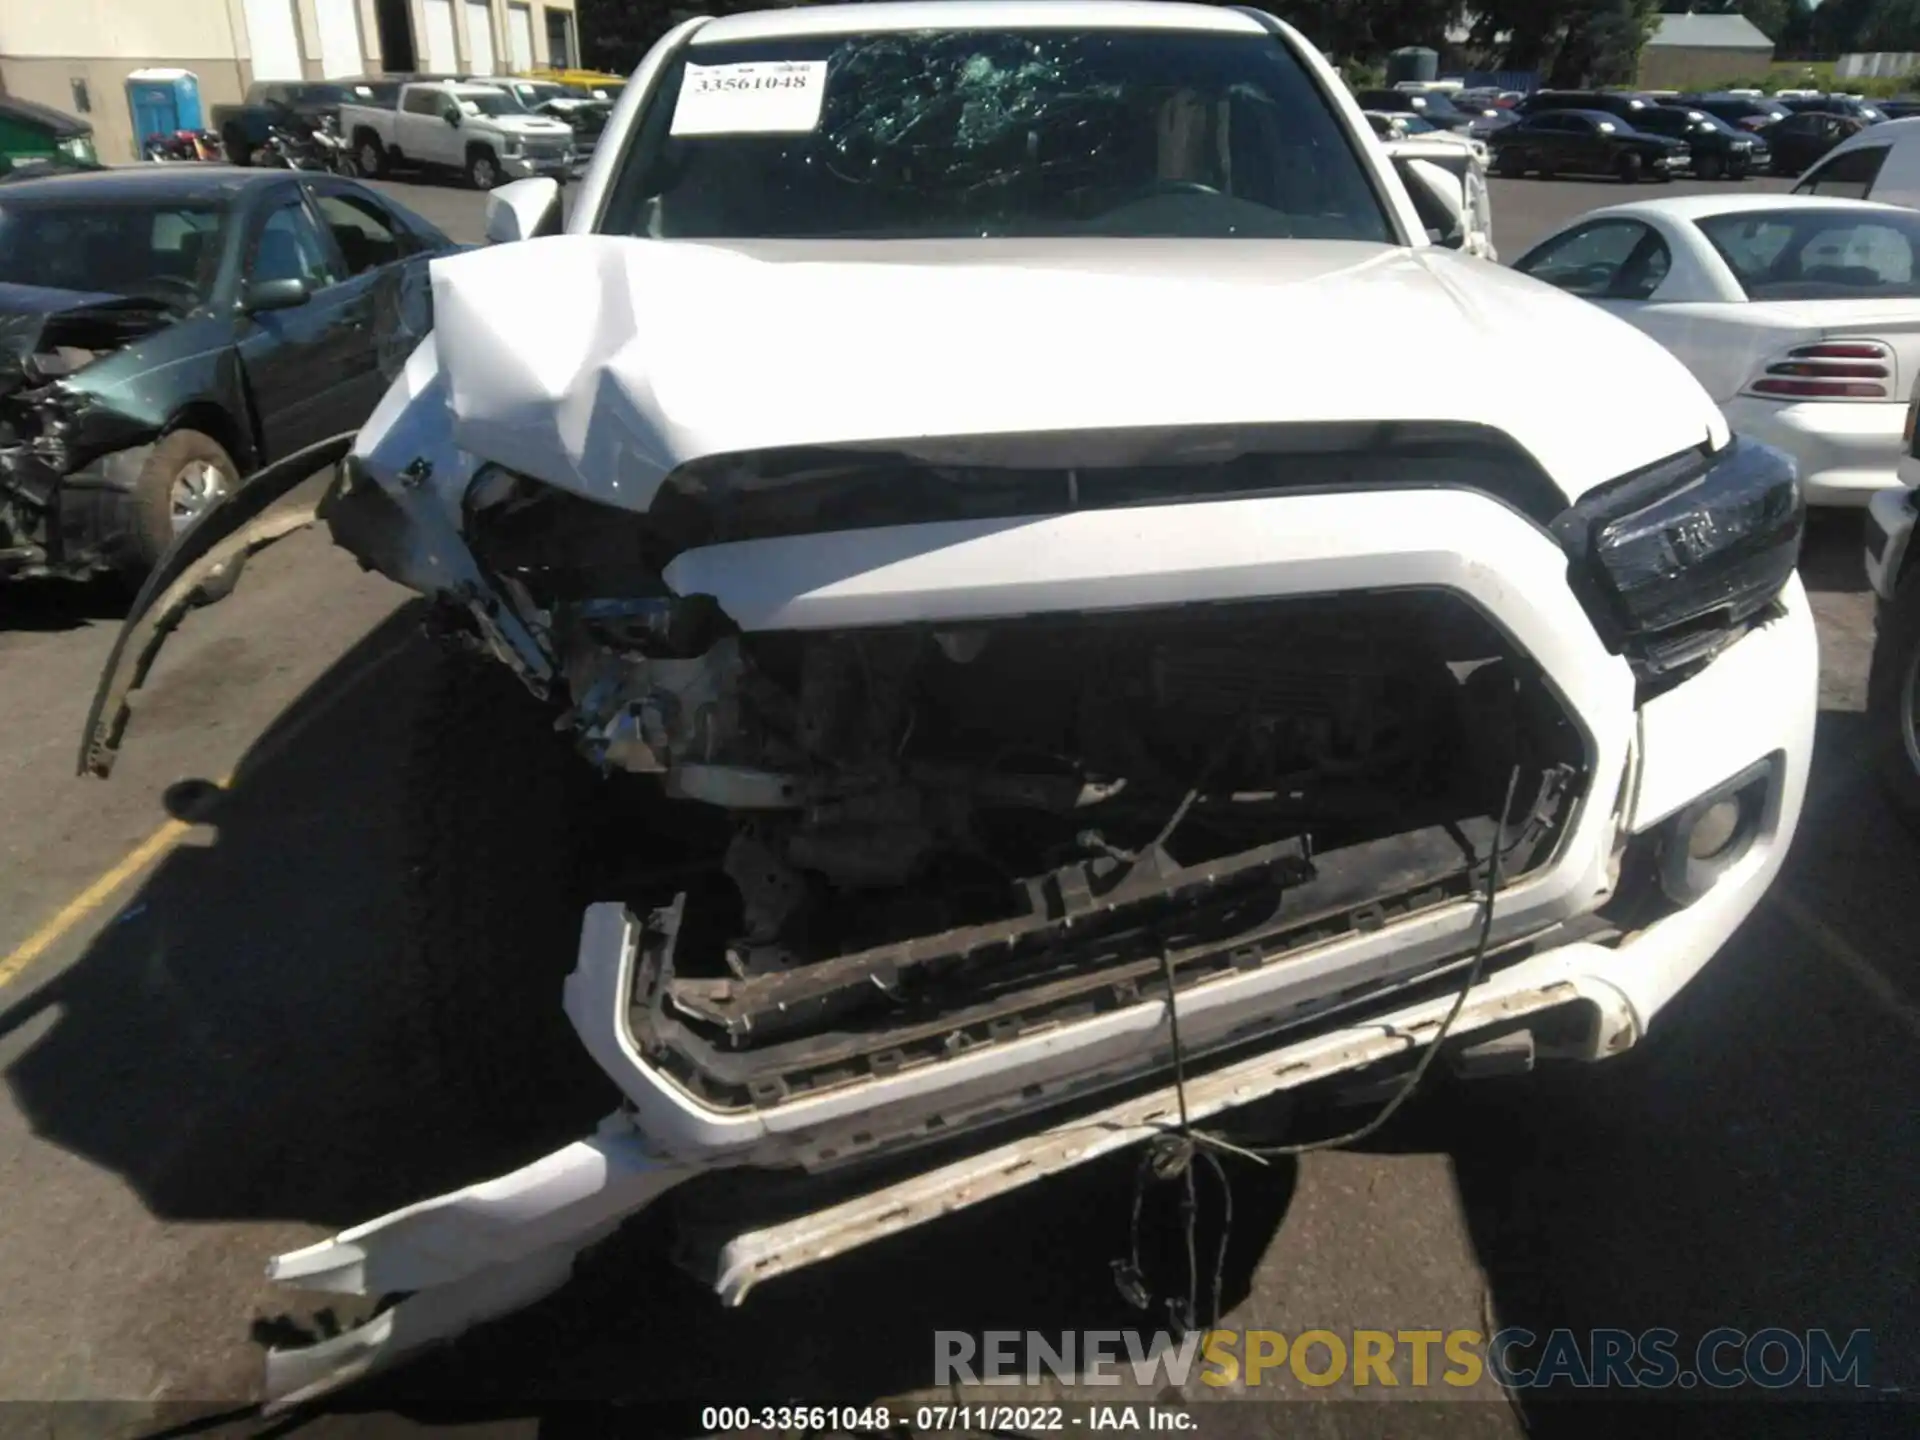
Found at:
(166, 330)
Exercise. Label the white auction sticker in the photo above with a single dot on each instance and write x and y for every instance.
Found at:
(762, 97)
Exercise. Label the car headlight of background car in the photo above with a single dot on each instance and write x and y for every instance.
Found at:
(511, 146)
(1672, 561)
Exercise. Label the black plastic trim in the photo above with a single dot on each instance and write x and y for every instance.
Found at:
(1759, 789)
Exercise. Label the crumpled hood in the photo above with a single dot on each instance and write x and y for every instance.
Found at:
(47, 300)
(34, 318)
(600, 364)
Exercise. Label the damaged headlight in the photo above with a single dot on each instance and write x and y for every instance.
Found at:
(559, 545)
(1669, 561)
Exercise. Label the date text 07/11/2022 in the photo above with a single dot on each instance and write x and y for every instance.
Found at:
(958, 1419)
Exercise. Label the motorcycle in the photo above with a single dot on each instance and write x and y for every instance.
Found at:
(179, 145)
(294, 143)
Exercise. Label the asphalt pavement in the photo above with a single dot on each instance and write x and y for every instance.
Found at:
(203, 1067)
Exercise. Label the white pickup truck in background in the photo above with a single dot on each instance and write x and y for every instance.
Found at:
(480, 130)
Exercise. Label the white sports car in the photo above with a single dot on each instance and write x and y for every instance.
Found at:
(1800, 316)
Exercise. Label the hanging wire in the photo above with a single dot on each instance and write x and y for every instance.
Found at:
(1171, 1156)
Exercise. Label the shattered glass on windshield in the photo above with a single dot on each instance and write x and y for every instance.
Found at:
(1021, 133)
(968, 102)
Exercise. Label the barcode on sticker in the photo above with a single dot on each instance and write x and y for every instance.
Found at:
(771, 97)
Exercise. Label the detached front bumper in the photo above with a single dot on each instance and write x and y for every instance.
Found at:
(1585, 988)
(1846, 450)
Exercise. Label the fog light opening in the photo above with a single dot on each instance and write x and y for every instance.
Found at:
(1716, 831)
(1713, 834)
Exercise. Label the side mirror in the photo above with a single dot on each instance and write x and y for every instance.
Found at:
(275, 295)
(1439, 194)
(523, 210)
(451, 116)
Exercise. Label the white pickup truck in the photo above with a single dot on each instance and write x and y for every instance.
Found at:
(1015, 677)
(480, 130)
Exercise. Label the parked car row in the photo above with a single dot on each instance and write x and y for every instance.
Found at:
(1634, 135)
(483, 127)
(1627, 136)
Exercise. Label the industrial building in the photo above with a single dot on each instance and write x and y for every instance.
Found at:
(1691, 51)
(76, 55)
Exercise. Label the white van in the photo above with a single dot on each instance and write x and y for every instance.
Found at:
(1881, 163)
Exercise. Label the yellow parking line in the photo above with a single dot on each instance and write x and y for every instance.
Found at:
(91, 899)
(166, 837)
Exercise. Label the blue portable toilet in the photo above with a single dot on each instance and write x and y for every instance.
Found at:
(162, 102)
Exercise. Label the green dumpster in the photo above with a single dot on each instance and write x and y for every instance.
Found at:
(31, 132)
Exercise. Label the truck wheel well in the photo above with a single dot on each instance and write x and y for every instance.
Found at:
(212, 420)
(479, 147)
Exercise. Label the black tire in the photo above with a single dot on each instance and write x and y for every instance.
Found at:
(1629, 168)
(1509, 164)
(1710, 167)
(498, 870)
(1893, 701)
(234, 141)
(152, 531)
(370, 156)
(1543, 167)
(153, 528)
(483, 168)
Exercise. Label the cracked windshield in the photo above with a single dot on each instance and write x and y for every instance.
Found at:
(983, 133)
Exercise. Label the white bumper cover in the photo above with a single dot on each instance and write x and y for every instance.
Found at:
(1847, 451)
(498, 1245)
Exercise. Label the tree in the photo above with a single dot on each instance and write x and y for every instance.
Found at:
(1603, 44)
(1795, 40)
(1369, 29)
(1840, 26)
(1574, 42)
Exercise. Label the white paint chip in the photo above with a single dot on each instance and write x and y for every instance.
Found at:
(766, 97)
